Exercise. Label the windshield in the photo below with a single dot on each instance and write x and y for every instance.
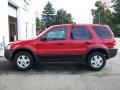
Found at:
(43, 32)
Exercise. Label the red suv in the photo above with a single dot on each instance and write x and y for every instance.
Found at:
(90, 43)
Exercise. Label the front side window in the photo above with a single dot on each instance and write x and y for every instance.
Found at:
(80, 32)
(56, 34)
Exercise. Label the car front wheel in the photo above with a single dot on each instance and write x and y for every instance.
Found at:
(23, 61)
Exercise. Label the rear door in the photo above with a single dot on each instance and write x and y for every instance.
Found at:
(80, 40)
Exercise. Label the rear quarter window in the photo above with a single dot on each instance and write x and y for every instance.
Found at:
(102, 31)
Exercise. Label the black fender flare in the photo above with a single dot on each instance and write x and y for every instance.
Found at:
(27, 49)
(101, 49)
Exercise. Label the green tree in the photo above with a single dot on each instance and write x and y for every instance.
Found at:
(38, 25)
(116, 13)
(48, 15)
(62, 17)
(116, 17)
(101, 15)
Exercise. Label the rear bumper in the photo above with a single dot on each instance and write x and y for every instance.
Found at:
(8, 54)
(112, 52)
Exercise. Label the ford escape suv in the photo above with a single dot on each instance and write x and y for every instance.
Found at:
(90, 43)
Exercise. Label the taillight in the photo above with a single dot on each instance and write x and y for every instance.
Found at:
(114, 42)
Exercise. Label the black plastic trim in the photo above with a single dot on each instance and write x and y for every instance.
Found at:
(8, 54)
(112, 52)
(28, 49)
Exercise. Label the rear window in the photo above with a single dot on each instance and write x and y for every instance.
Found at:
(102, 32)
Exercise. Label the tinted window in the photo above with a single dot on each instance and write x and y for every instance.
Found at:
(57, 34)
(102, 32)
(80, 32)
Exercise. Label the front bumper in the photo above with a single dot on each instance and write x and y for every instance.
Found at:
(8, 54)
(112, 52)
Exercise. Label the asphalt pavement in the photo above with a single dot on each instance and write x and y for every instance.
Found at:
(60, 76)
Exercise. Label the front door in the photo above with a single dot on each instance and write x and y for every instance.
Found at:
(55, 43)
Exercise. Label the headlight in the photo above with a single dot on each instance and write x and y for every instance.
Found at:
(8, 46)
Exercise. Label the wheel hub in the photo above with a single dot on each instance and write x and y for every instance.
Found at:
(23, 61)
(96, 61)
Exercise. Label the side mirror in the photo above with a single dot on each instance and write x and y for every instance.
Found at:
(43, 38)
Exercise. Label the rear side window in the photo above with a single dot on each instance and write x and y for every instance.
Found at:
(102, 32)
(80, 32)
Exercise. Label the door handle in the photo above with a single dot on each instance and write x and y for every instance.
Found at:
(60, 43)
(89, 43)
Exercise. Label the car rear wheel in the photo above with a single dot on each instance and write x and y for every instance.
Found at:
(96, 61)
(23, 61)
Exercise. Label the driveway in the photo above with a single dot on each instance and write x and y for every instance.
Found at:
(60, 76)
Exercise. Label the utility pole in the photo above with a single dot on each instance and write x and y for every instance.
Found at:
(62, 17)
(99, 18)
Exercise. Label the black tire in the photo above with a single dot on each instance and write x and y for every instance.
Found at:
(27, 57)
(91, 65)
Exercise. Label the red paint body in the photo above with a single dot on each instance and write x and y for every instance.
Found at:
(68, 46)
